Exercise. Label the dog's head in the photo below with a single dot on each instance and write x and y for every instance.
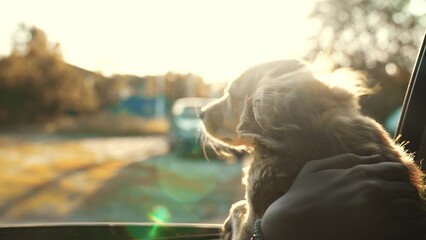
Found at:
(221, 118)
(272, 101)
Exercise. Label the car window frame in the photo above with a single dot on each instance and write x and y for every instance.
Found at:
(412, 123)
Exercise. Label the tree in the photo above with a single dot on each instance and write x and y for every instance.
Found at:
(36, 84)
(380, 38)
(184, 85)
(111, 90)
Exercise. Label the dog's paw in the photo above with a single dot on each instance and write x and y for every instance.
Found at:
(234, 222)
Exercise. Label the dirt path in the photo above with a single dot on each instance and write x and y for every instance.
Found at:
(51, 179)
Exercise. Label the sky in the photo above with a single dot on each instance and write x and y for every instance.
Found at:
(215, 39)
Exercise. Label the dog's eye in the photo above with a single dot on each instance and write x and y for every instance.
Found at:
(229, 100)
(236, 98)
(232, 98)
(233, 101)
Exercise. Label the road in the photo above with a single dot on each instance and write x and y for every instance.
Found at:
(51, 178)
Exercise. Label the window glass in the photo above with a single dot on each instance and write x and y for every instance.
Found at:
(90, 125)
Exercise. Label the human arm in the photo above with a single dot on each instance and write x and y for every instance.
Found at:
(347, 197)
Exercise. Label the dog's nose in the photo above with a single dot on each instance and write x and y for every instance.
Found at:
(201, 114)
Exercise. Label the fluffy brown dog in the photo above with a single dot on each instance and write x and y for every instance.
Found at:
(285, 116)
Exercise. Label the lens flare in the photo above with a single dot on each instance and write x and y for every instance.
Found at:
(186, 181)
(160, 214)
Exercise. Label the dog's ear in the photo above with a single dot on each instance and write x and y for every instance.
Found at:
(271, 108)
(261, 120)
(254, 122)
(248, 128)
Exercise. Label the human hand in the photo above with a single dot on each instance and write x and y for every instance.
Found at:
(347, 197)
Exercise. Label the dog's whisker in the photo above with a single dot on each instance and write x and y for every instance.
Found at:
(198, 112)
(202, 139)
(204, 145)
(199, 135)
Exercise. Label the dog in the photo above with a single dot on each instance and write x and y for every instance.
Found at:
(285, 115)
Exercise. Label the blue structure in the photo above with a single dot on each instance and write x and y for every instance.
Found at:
(147, 107)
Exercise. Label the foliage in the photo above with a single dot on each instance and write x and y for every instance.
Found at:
(110, 90)
(379, 37)
(184, 85)
(37, 85)
(35, 82)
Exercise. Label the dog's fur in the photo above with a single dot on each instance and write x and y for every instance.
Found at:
(286, 117)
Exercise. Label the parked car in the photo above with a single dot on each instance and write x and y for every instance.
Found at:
(185, 125)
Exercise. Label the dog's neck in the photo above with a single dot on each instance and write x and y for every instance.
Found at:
(277, 170)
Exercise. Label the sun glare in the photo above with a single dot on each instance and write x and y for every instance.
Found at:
(216, 40)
